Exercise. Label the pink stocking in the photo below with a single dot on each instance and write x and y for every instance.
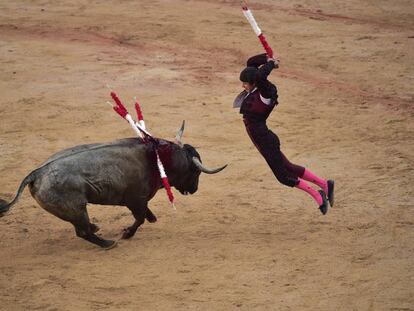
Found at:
(303, 185)
(322, 183)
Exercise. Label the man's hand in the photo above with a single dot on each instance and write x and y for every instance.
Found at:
(276, 61)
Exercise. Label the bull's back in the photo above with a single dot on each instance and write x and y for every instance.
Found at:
(97, 173)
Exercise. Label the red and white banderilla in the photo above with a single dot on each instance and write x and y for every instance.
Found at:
(140, 130)
(139, 113)
(161, 169)
(249, 16)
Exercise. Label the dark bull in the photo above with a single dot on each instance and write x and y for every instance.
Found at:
(123, 172)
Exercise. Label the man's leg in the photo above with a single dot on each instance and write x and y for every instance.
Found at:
(318, 196)
(310, 176)
(288, 174)
(268, 145)
(326, 185)
(294, 169)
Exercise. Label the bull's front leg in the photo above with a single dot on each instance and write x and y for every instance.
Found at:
(140, 212)
(150, 216)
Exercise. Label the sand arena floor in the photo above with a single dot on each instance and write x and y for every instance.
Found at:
(243, 241)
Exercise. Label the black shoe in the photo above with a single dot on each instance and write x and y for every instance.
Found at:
(331, 192)
(324, 207)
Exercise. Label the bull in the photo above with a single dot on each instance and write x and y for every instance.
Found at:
(123, 172)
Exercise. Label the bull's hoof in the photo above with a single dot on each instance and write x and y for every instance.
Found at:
(2, 214)
(109, 244)
(128, 233)
(151, 218)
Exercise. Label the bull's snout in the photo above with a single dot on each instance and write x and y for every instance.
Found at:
(187, 192)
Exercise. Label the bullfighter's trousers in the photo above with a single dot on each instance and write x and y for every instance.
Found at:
(268, 145)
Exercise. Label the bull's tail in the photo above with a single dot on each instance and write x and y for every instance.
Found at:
(4, 206)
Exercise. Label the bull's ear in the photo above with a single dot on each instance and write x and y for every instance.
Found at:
(179, 135)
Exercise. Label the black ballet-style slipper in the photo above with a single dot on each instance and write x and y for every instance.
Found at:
(324, 207)
(331, 192)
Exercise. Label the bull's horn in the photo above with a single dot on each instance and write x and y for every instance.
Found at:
(179, 135)
(207, 170)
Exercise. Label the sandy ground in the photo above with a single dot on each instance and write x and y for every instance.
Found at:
(243, 241)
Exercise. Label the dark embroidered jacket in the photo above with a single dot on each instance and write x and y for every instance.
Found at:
(258, 104)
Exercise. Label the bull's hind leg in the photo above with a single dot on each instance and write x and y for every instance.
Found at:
(77, 215)
(94, 228)
(93, 238)
(139, 211)
(85, 230)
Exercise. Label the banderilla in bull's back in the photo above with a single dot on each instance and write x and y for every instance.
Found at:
(123, 172)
